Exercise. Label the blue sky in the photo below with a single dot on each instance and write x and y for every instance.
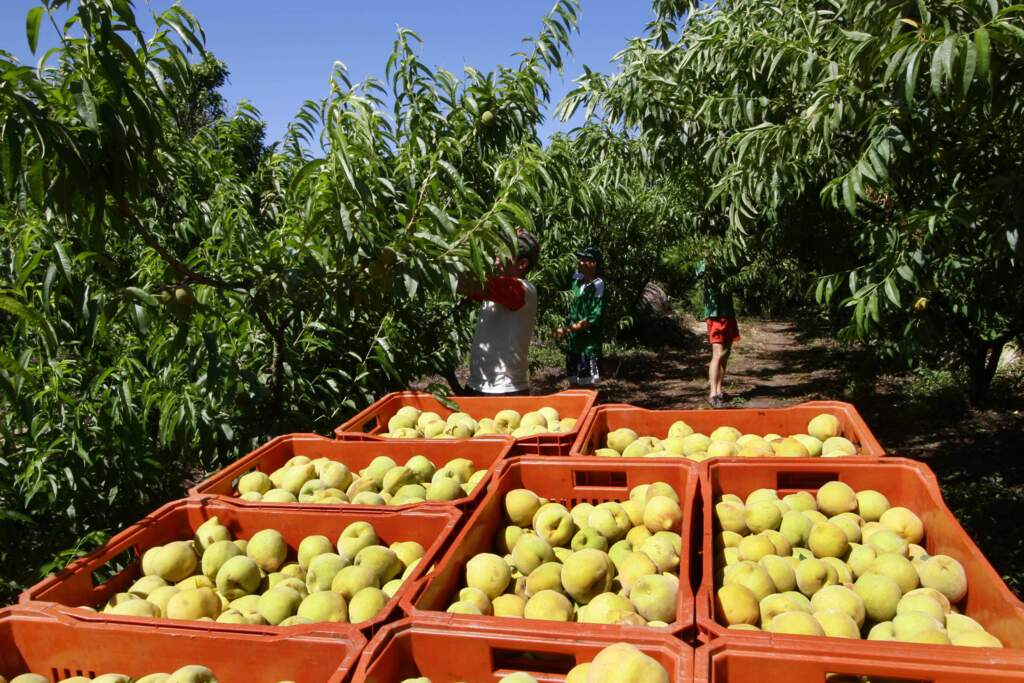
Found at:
(280, 52)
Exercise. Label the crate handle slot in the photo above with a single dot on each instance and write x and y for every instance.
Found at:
(857, 678)
(605, 480)
(536, 662)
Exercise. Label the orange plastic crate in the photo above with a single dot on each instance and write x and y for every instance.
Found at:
(728, 660)
(41, 640)
(486, 453)
(905, 483)
(574, 403)
(441, 651)
(568, 482)
(761, 421)
(79, 584)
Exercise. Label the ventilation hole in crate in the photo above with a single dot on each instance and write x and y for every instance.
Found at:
(857, 678)
(113, 567)
(804, 480)
(508, 661)
(590, 501)
(61, 674)
(602, 479)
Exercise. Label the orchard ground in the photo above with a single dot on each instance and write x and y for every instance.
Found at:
(975, 452)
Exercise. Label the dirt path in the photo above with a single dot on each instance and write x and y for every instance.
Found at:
(772, 365)
(974, 452)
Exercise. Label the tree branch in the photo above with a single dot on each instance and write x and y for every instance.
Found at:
(276, 333)
(182, 269)
(453, 382)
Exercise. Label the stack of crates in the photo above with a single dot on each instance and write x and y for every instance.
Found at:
(49, 632)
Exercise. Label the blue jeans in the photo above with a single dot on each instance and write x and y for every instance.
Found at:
(582, 368)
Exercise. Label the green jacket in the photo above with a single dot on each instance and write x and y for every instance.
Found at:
(587, 304)
(717, 304)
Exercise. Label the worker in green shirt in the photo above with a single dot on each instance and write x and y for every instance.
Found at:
(583, 331)
(723, 330)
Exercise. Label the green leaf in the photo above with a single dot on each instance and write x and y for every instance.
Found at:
(85, 102)
(983, 47)
(17, 308)
(936, 74)
(970, 66)
(910, 82)
(849, 196)
(857, 36)
(947, 51)
(906, 273)
(941, 65)
(143, 296)
(11, 366)
(32, 21)
(62, 260)
(891, 292)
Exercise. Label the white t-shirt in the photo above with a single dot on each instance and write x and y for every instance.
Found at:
(499, 356)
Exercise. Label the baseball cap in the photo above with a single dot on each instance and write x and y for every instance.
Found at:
(589, 253)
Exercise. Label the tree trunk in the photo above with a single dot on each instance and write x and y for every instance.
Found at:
(453, 382)
(983, 364)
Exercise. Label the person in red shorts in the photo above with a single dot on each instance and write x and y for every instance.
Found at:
(722, 332)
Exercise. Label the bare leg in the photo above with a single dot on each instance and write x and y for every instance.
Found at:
(715, 371)
(723, 364)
